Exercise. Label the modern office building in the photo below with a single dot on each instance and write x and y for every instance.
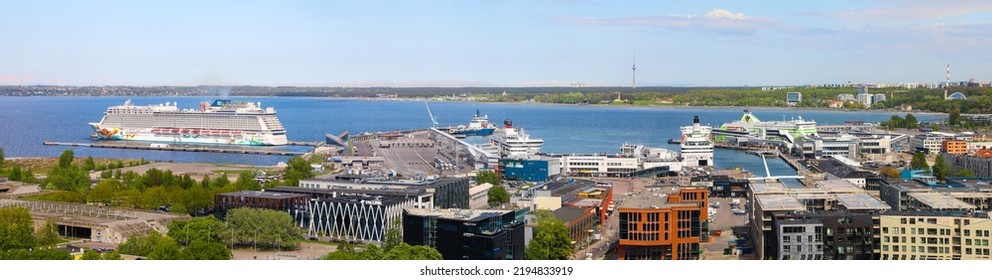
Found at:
(954, 147)
(463, 234)
(448, 192)
(581, 223)
(283, 202)
(655, 225)
(530, 169)
(936, 236)
(354, 214)
(799, 239)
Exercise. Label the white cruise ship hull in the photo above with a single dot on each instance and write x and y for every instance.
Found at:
(189, 136)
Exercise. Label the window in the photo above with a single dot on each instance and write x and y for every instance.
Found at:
(786, 239)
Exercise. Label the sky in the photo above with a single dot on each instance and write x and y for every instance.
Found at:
(492, 43)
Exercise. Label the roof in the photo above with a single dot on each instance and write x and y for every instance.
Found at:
(957, 96)
(940, 201)
(839, 169)
(838, 186)
(861, 202)
(457, 214)
(480, 188)
(768, 187)
(569, 214)
(779, 202)
(264, 194)
(651, 198)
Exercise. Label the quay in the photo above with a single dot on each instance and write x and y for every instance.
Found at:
(177, 147)
(759, 151)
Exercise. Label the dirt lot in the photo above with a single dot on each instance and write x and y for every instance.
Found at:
(307, 251)
(195, 170)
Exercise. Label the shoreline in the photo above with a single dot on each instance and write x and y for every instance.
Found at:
(531, 103)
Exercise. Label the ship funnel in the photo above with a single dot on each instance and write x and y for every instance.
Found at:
(695, 119)
(507, 123)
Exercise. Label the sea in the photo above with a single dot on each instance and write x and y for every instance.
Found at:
(26, 122)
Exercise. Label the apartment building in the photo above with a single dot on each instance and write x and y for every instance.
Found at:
(937, 236)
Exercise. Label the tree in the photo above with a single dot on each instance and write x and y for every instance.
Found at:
(142, 245)
(206, 229)
(394, 235)
(65, 159)
(919, 162)
(104, 192)
(16, 227)
(246, 181)
(263, 228)
(15, 173)
(404, 251)
(91, 255)
(49, 234)
(220, 182)
(297, 169)
(498, 196)
(204, 250)
(551, 240)
(954, 118)
(940, 168)
(1, 156)
(911, 121)
(964, 173)
(488, 177)
(89, 164)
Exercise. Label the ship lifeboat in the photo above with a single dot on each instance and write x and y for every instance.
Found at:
(185, 131)
(237, 133)
(195, 131)
(175, 130)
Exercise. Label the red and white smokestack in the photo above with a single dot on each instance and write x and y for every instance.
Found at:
(507, 123)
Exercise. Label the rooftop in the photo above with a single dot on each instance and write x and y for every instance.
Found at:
(569, 214)
(839, 169)
(480, 188)
(779, 202)
(838, 186)
(652, 198)
(939, 201)
(861, 202)
(768, 187)
(457, 214)
(264, 194)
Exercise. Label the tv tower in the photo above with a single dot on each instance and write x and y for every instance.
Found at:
(633, 70)
(947, 84)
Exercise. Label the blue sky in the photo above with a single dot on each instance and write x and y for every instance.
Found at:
(492, 43)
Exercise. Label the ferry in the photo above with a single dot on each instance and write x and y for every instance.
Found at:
(222, 122)
(787, 131)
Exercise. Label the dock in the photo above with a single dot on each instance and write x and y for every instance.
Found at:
(177, 148)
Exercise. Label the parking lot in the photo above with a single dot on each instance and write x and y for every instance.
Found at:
(724, 220)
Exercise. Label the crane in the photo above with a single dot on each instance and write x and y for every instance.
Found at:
(430, 114)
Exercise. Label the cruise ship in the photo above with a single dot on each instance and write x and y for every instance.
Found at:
(787, 131)
(512, 142)
(222, 122)
(697, 144)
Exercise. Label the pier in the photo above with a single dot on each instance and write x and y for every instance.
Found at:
(766, 151)
(179, 147)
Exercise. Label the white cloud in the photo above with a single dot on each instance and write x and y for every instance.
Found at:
(725, 14)
(716, 20)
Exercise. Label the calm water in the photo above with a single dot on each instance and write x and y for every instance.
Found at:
(28, 121)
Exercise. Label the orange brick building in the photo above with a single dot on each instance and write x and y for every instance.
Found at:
(954, 147)
(658, 226)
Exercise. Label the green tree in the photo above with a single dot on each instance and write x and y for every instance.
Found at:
(89, 164)
(498, 196)
(246, 181)
(16, 229)
(919, 162)
(911, 122)
(206, 229)
(15, 173)
(104, 192)
(220, 182)
(297, 169)
(142, 245)
(205, 183)
(394, 235)
(49, 233)
(267, 229)
(1, 156)
(91, 255)
(954, 118)
(204, 250)
(551, 240)
(940, 168)
(964, 173)
(166, 249)
(343, 251)
(65, 159)
(404, 251)
(488, 177)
